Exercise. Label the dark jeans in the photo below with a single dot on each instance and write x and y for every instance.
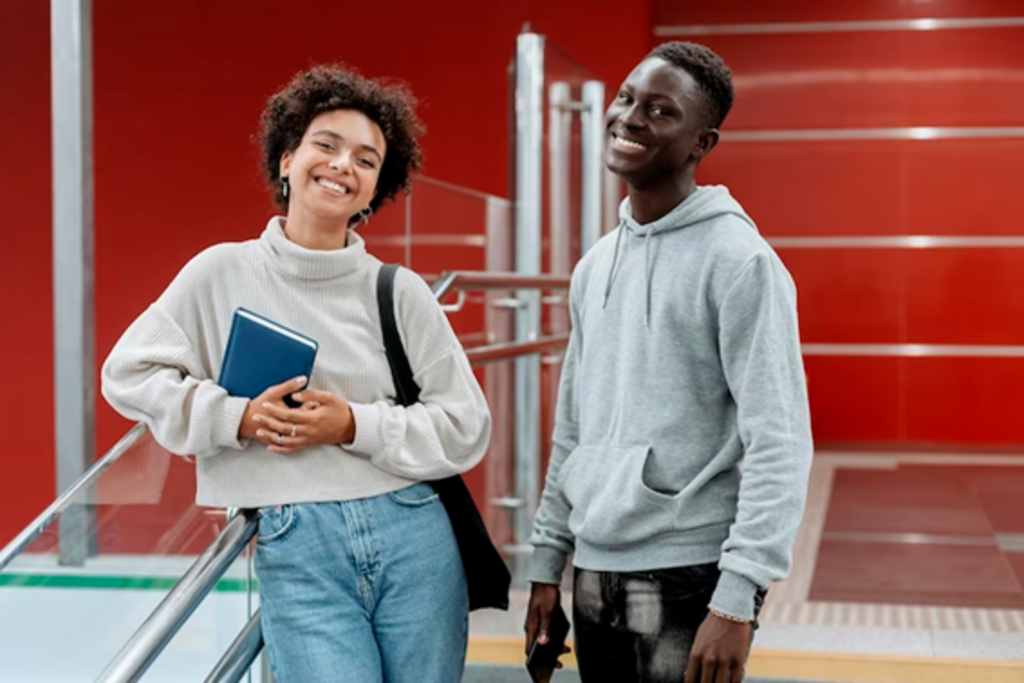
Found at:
(640, 626)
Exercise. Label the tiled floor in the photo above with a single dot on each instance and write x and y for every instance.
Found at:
(939, 535)
(510, 674)
(899, 555)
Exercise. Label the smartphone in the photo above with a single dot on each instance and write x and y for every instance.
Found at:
(542, 658)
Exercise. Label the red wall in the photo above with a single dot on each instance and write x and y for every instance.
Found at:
(178, 91)
(975, 296)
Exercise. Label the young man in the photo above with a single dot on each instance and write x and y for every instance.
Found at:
(682, 441)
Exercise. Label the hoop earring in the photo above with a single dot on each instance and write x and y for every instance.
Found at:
(284, 186)
(364, 215)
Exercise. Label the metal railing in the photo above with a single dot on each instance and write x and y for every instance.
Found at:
(240, 654)
(156, 632)
(67, 499)
(142, 649)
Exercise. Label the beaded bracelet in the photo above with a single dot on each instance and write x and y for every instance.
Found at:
(729, 617)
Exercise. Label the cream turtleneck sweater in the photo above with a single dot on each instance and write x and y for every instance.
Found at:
(163, 371)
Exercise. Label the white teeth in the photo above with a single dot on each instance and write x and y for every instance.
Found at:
(629, 144)
(332, 186)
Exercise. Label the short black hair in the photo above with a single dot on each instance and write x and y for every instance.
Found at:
(387, 103)
(712, 75)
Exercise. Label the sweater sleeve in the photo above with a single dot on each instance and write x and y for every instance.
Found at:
(760, 348)
(156, 374)
(153, 375)
(551, 539)
(448, 431)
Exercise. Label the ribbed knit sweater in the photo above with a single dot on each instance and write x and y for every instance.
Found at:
(163, 371)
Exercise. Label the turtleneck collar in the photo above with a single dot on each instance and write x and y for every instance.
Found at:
(298, 262)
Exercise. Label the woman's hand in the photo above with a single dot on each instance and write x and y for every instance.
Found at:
(323, 418)
(250, 425)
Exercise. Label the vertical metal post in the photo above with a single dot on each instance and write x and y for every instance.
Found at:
(560, 115)
(529, 166)
(592, 136)
(499, 381)
(71, 90)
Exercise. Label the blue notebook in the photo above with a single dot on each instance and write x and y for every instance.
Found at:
(261, 353)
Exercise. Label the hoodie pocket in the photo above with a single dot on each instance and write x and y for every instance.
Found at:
(611, 505)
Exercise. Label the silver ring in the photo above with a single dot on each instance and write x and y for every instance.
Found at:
(294, 427)
(278, 439)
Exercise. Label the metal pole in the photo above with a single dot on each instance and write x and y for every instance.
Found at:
(592, 135)
(67, 501)
(71, 102)
(560, 115)
(529, 167)
(142, 649)
(239, 657)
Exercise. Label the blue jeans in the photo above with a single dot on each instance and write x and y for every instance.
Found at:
(366, 591)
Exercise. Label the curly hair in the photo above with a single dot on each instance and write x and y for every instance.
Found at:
(712, 75)
(387, 103)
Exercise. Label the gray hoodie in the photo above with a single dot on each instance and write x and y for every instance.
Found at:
(682, 433)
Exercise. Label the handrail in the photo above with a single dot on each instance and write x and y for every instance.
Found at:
(170, 615)
(465, 279)
(240, 654)
(447, 281)
(507, 350)
(142, 649)
(64, 501)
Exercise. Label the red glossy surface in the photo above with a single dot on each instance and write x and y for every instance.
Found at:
(852, 296)
(934, 187)
(875, 79)
(854, 399)
(821, 188)
(965, 296)
(965, 401)
(26, 341)
(943, 403)
(667, 12)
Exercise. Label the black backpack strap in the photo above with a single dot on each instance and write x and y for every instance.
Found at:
(487, 576)
(401, 372)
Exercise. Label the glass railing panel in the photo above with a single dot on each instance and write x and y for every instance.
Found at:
(74, 596)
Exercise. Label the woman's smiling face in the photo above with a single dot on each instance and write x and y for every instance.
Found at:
(333, 172)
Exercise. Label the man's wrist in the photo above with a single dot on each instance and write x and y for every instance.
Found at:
(728, 617)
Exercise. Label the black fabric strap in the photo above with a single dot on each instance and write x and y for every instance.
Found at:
(487, 576)
(401, 372)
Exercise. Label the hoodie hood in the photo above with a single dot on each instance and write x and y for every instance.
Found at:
(705, 204)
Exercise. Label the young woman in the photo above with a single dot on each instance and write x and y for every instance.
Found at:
(360, 575)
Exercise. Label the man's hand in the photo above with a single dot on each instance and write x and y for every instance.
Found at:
(543, 600)
(719, 653)
(323, 418)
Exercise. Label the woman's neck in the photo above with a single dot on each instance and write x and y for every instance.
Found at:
(311, 232)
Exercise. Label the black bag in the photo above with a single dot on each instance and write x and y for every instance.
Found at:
(486, 573)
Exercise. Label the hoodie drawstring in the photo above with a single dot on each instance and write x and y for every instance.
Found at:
(615, 259)
(647, 270)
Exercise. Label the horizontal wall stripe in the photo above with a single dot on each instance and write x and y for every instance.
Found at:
(861, 134)
(111, 582)
(914, 350)
(900, 242)
(838, 26)
(426, 240)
